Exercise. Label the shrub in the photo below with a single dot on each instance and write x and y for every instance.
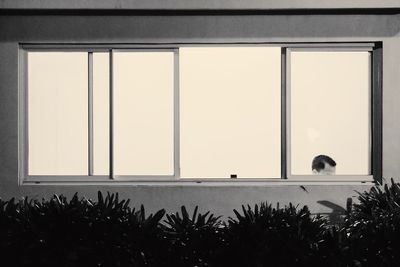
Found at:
(267, 236)
(195, 240)
(108, 232)
(78, 233)
(373, 227)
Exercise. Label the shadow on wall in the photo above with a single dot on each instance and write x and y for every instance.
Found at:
(338, 212)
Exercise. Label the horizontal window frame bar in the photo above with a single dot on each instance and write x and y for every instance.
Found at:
(148, 46)
(144, 50)
(338, 177)
(171, 179)
(331, 49)
(72, 178)
(279, 183)
(144, 177)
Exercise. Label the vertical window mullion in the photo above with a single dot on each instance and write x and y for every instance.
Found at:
(287, 117)
(376, 153)
(284, 152)
(23, 118)
(111, 107)
(90, 113)
(177, 171)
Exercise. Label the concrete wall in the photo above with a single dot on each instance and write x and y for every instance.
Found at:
(15, 29)
(196, 4)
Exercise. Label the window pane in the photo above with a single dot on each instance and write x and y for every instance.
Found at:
(143, 113)
(330, 110)
(230, 112)
(101, 85)
(57, 113)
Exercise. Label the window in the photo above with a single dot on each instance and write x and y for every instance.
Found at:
(100, 118)
(230, 112)
(186, 113)
(57, 113)
(330, 109)
(143, 101)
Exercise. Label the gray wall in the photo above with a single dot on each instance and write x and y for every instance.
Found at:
(196, 4)
(15, 29)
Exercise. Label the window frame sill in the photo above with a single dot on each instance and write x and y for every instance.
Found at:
(145, 181)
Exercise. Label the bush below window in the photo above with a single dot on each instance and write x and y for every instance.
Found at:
(108, 232)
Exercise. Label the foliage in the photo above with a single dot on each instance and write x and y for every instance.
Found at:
(195, 240)
(109, 232)
(267, 236)
(373, 227)
(78, 232)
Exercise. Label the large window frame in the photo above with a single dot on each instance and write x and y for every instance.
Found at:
(373, 122)
(375, 48)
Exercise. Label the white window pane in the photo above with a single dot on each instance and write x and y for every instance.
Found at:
(330, 110)
(230, 112)
(101, 85)
(57, 113)
(143, 113)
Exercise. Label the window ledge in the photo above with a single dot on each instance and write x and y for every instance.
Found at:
(311, 180)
